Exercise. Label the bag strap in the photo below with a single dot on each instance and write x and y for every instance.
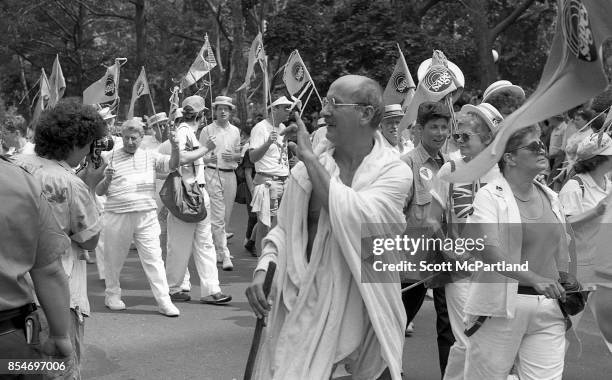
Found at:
(580, 183)
(476, 326)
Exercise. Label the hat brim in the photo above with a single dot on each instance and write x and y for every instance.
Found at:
(230, 105)
(393, 114)
(155, 122)
(512, 88)
(473, 109)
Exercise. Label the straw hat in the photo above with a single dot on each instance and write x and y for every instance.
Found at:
(196, 103)
(502, 85)
(223, 101)
(594, 145)
(106, 113)
(487, 112)
(157, 118)
(393, 110)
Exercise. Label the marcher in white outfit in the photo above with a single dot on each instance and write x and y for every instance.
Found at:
(220, 175)
(476, 128)
(519, 310)
(389, 127)
(187, 238)
(130, 213)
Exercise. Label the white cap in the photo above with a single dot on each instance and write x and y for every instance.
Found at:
(502, 85)
(487, 112)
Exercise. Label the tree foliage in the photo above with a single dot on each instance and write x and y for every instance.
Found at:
(334, 37)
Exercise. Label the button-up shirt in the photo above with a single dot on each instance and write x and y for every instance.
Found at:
(227, 139)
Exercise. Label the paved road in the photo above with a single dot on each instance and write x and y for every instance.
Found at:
(212, 342)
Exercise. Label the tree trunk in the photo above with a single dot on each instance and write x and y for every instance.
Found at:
(77, 49)
(484, 42)
(140, 25)
(24, 83)
(238, 64)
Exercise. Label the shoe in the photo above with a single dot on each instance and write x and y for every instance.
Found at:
(114, 303)
(180, 297)
(249, 245)
(216, 299)
(227, 264)
(229, 235)
(409, 329)
(219, 259)
(169, 310)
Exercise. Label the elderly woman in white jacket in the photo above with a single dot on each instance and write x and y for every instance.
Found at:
(520, 221)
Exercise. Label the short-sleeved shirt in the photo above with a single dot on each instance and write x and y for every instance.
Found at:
(276, 159)
(77, 214)
(132, 188)
(557, 137)
(575, 201)
(30, 234)
(227, 139)
(187, 141)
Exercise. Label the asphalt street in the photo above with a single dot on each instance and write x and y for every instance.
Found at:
(212, 342)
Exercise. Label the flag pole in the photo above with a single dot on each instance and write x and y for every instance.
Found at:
(152, 105)
(316, 92)
(306, 102)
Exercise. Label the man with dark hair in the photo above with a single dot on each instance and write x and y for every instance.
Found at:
(63, 138)
(32, 242)
(425, 161)
(326, 314)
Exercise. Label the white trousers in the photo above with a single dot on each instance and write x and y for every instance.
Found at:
(185, 239)
(535, 337)
(143, 228)
(456, 295)
(221, 187)
(100, 251)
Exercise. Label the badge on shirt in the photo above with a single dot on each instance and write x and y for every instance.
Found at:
(426, 173)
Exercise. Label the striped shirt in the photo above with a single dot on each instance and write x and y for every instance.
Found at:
(133, 186)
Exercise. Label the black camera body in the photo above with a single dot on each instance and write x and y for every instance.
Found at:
(104, 144)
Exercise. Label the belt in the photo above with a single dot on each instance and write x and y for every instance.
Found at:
(274, 177)
(528, 290)
(9, 325)
(219, 169)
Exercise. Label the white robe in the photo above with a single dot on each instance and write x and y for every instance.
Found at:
(323, 313)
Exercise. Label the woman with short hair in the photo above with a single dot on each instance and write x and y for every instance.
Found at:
(520, 221)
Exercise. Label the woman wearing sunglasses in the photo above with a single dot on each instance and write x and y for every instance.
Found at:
(476, 128)
(519, 317)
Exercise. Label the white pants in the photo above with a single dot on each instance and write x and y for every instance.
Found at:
(535, 337)
(143, 228)
(456, 295)
(185, 239)
(221, 187)
(100, 251)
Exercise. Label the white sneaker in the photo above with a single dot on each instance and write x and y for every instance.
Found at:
(227, 264)
(114, 303)
(169, 310)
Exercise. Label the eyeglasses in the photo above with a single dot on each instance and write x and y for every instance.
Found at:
(535, 147)
(332, 102)
(465, 136)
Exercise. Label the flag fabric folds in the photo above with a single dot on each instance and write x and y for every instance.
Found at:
(437, 83)
(141, 87)
(44, 96)
(105, 89)
(256, 54)
(400, 88)
(204, 62)
(57, 83)
(296, 75)
(574, 73)
(174, 104)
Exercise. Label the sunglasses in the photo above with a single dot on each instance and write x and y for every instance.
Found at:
(465, 136)
(535, 147)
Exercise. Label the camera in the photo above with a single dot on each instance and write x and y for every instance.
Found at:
(103, 144)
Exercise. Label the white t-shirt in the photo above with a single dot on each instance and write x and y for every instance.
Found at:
(275, 161)
(186, 139)
(574, 203)
(227, 139)
(557, 137)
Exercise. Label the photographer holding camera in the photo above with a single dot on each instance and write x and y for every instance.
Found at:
(63, 137)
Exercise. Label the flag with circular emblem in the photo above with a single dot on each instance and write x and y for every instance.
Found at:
(141, 87)
(400, 87)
